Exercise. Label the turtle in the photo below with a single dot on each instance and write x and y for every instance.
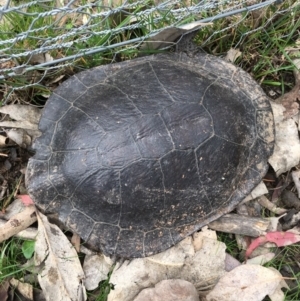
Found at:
(137, 155)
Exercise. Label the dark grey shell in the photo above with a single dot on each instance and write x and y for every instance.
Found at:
(135, 156)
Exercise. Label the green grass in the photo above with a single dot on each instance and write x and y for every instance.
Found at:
(231, 244)
(101, 293)
(264, 53)
(262, 39)
(11, 259)
(287, 262)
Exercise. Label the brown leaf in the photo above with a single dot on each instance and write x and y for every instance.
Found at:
(26, 113)
(232, 55)
(4, 286)
(202, 268)
(287, 145)
(61, 275)
(290, 100)
(169, 290)
(96, 268)
(25, 289)
(168, 36)
(248, 282)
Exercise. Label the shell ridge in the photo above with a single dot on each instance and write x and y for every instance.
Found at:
(163, 183)
(230, 141)
(121, 199)
(130, 100)
(204, 94)
(198, 173)
(90, 117)
(160, 83)
(168, 131)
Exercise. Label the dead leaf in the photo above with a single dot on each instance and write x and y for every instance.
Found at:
(168, 36)
(163, 39)
(25, 119)
(61, 275)
(22, 112)
(24, 116)
(278, 294)
(169, 290)
(39, 58)
(287, 145)
(274, 221)
(4, 64)
(23, 124)
(261, 259)
(198, 237)
(296, 179)
(4, 287)
(20, 137)
(3, 140)
(232, 55)
(96, 269)
(279, 238)
(25, 289)
(247, 282)
(258, 191)
(181, 261)
(258, 16)
(290, 99)
(75, 241)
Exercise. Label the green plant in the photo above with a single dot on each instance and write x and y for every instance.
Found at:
(11, 259)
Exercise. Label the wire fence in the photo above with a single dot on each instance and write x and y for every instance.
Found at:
(50, 34)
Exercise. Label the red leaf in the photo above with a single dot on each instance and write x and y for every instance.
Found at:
(26, 199)
(279, 238)
(282, 238)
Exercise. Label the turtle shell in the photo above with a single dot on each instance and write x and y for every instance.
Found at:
(135, 156)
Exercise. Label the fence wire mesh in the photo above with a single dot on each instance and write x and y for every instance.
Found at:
(49, 34)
